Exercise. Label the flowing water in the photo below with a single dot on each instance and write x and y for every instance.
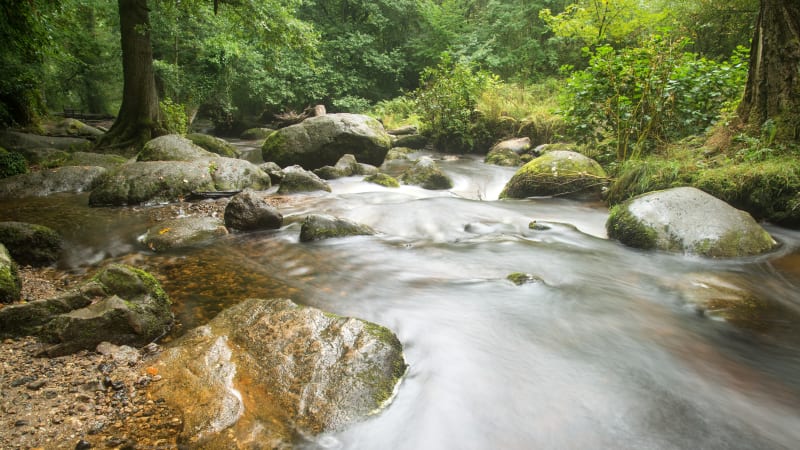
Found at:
(606, 351)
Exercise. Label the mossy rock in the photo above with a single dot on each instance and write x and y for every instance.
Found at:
(427, 174)
(253, 134)
(31, 244)
(173, 147)
(183, 232)
(503, 157)
(400, 153)
(383, 180)
(73, 179)
(296, 179)
(690, 221)
(318, 227)
(557, 173)
(412, 141)
(10, 284)
(520, 278)
(74, 128)
(215, 145)
(247, 211)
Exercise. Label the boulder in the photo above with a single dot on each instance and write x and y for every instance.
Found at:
(383, 180)
(518, 145)
(247, 211)
(317, 227)
(296, 179)
(415, 141)
(50, 181)
(30, 244)
(322, 140)
(345, 167)
(253, 134)
(398, 153)
(74, 128)
(10, 284)
(503, 157)
(172, 147)
(214, 145)
(559, 173)
(427, 174)
(403, 131)
(273, 170)
(21, 142)
(264, 371)
(168, 181)
(690, 221)
(183, 232)
(108, 161)
(27, 319)
(133, 310)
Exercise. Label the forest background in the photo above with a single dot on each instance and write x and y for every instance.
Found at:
(651, 89)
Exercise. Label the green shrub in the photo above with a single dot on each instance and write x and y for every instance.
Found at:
(12, 163)
(173, 117)
(635, 99)
(396, 112)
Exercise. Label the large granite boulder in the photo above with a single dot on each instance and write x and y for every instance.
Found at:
(30, 244)
(120, 304)
(687, 220)
(183, 232)
(560, 173)
(50, 181)
(316, 227)
(296, 179)
(247, 211)
(427, 174)
(168, 181)
(264, 371)
(172, 147)
(10, 284)
(322, 140)
(214, 145)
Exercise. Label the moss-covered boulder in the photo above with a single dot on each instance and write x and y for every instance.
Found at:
(172, 147)
(50, 181)
(273, 170)
(560, 173)
(22, 142)
(296, 179)
(10, 284)
(305, 370)
(687, 220)
(252, 134)
(322, 140)
(427, 174)
(503, 157)
(383, 180)
(107, 161)
(31, 244)
(168, 181)
(398, 153)
(247, 211)
(214, 145)
(414, 141)
(183, 232)
(317, 227)
(27, 319)
(133, 310)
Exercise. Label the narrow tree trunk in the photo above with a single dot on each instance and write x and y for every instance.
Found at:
(773, 84)
(138, 118)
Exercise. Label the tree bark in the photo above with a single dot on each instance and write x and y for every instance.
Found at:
(773, 84)
(139, 117)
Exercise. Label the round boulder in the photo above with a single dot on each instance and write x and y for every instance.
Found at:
(248, 211)
(183, 232)
(322, 140)
(687, 220)
(30, 244)
(296, 179)
(50, 181)
(561, 173)
(427, 174)
(172, 147)
(214, 145)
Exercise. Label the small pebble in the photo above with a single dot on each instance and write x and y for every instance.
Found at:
(36, 385)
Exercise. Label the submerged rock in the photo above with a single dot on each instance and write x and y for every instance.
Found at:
(427, 174)
(322, 140)
(383, 180)
(30, 244)
(561, 173)
(183, 232)
(265, 370)
(247, 211)
(319, 226)
(687, 220)
(10, 284)
(296, 179)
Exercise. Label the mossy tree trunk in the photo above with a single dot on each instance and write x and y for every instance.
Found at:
(773, 84)
(139, 118)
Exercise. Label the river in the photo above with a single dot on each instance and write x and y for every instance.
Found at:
(605, 351)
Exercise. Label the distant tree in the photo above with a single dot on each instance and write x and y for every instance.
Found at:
(772, 92)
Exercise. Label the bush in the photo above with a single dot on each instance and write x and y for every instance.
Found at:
(173, 117)
(396, 112)
(635, 99)
(12, 163)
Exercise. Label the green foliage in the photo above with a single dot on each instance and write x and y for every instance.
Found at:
(173, 117)
(12, 163)
(513, 109)
(632, 100)
(396, 112)
(447, 101)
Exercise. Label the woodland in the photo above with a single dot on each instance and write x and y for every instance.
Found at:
(662, 93)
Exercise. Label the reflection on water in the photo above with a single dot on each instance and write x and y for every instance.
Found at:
(607, 352)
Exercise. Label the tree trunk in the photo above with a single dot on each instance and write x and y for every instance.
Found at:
(773, 83)
(139, 118)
